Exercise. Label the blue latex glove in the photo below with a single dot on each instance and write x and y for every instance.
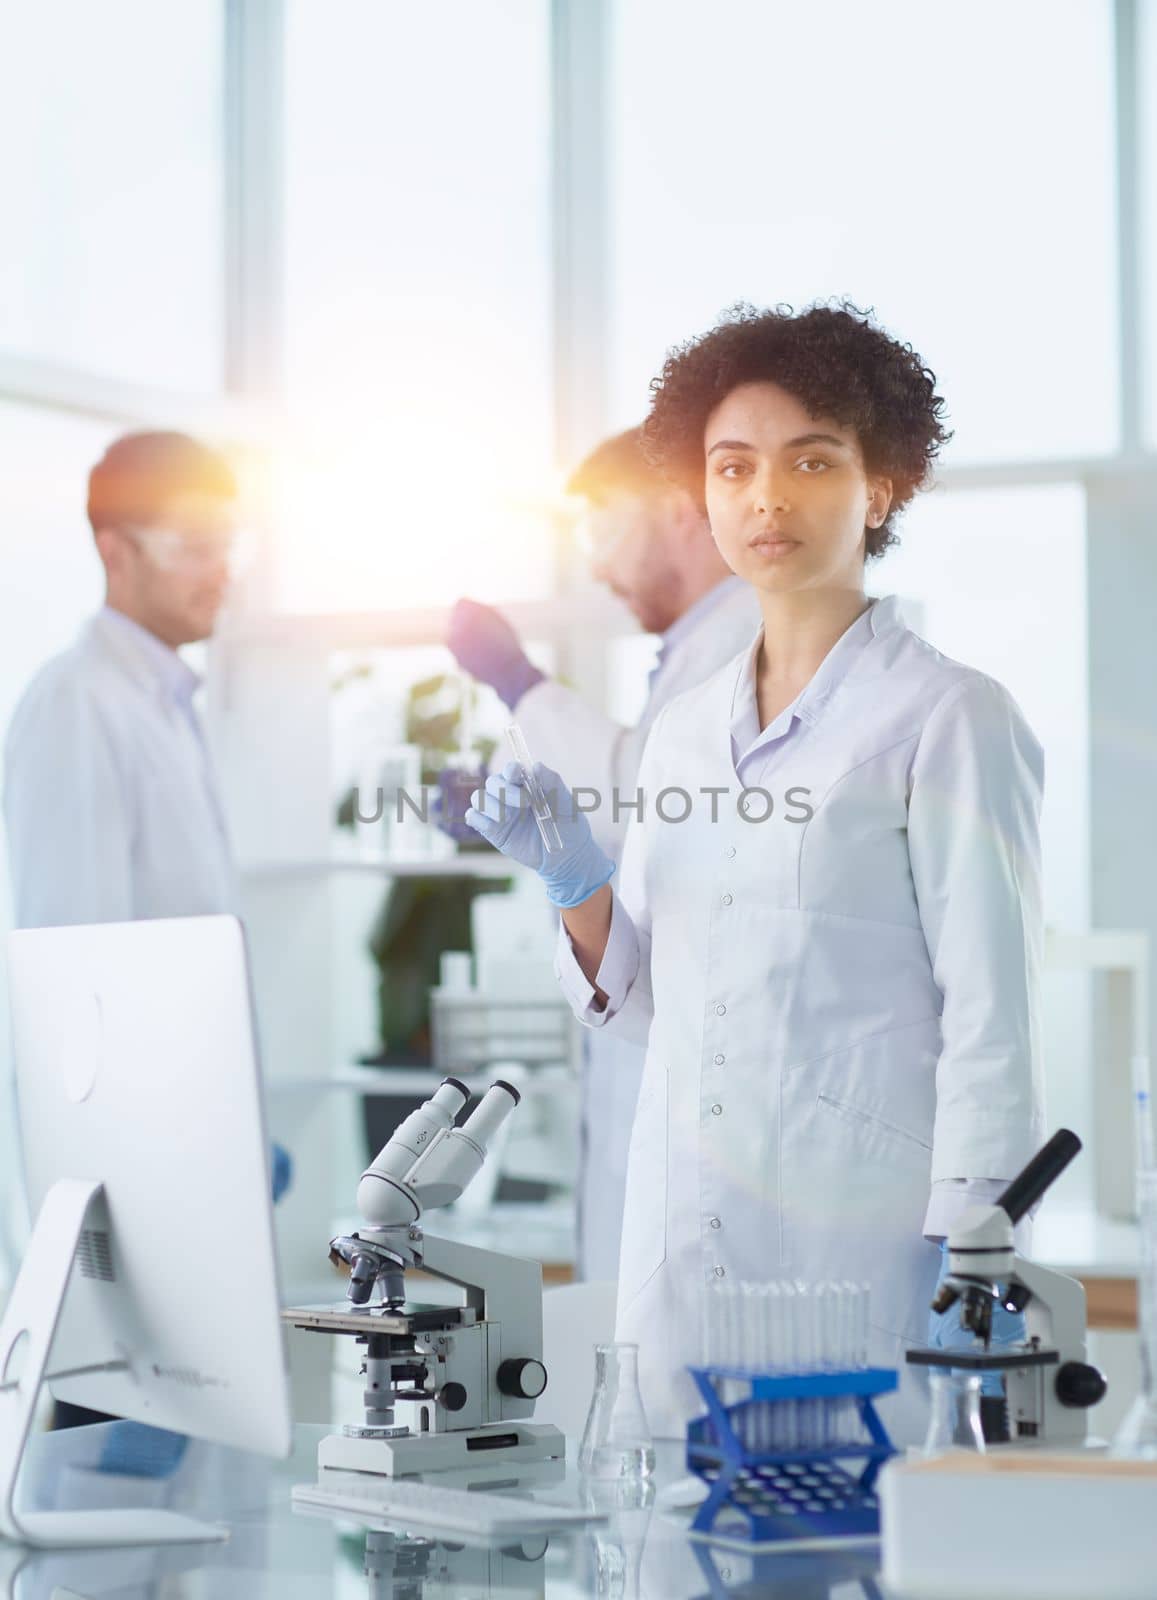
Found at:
(281, 1167)
(483, 643)
(946, 1333)
(501, 813)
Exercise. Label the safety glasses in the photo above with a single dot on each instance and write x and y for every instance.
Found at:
(179, 550)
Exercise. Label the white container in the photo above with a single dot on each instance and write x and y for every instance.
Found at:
(1030, 1524)
(471, 1030)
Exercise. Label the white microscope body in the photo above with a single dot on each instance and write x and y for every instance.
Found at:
(446, 1386)
(1048, 1382)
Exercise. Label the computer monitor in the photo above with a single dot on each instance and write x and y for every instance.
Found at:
(147, 1164)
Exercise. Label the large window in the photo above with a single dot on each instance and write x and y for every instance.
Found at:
(417, 309)
(1147, 178)
(999, 579)
(999, 576)
(951, 166)
(111, 129)
(52, 577)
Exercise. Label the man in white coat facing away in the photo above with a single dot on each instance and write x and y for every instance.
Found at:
(110, 800)
(652, 546)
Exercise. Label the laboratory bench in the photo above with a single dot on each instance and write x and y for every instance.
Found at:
(637, 1550)
(275, 1550)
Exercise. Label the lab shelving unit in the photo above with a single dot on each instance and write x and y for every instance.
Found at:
(269, 720)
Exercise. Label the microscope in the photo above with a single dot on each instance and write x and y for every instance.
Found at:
(404, 1566)
(446, 1386)
(1048, 1383)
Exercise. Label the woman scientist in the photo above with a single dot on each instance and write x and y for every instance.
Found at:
(828, 928)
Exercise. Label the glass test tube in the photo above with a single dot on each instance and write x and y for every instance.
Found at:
(543, 816)
(805, 1299)
(796, 1327)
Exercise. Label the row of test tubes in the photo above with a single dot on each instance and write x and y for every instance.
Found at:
(789, 1326)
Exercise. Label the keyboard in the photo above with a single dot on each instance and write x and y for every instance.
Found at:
(463, 1510)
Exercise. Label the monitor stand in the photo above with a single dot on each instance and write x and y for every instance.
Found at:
(27, 1329)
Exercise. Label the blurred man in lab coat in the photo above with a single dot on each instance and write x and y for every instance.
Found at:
(110, 800)
(652, 546)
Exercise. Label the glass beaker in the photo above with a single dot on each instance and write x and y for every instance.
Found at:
(955, 1421)
(616, 1441)
(1136, 1438)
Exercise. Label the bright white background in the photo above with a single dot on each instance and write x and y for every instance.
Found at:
(949, 165)
(111, 185)
(417, 313)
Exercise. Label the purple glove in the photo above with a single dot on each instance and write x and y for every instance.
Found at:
(485, 645)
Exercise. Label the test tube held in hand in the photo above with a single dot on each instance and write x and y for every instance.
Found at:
(547, 826)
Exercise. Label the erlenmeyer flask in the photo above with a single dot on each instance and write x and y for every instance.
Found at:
(616, 1442)
(955, 1421)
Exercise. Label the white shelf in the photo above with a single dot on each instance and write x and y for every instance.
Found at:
(586, 609)
(480, 865)
(1086, 1245)
(403, 1081)
(536, 1230)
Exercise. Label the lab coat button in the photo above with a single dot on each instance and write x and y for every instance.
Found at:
(730, 852)
(715, 1222)
(716, 1110)
(719, 1272)
(720, 1059)
(720, 1009)
(726, 899)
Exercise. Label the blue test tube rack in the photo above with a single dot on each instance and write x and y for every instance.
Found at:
(786, 1494)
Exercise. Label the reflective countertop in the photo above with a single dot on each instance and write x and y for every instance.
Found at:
(640, 1550)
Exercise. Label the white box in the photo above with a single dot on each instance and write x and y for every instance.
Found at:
(1035, 1524)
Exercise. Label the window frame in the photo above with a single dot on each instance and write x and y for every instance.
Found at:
(252, 268)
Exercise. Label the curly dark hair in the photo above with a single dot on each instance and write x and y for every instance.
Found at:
(836, 361)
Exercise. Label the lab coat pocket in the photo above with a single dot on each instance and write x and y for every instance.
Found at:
(644, 1248)
(854, 1187)
(867, 1123)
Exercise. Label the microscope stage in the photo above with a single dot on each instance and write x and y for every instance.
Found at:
(344, 1318)
(987, 1361)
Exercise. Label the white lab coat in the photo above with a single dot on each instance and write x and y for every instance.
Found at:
(839, 1014)
(588, 748)
(109, 801)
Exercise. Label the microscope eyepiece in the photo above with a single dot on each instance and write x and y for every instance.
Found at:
(501, 1083)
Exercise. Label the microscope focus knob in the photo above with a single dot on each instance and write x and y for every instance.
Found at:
(522, 1377)
(1079, 1384)
(452, 1396)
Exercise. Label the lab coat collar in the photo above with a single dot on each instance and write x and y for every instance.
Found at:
(886, 615)
(146, 656)
(847, 655)
(881, 617)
